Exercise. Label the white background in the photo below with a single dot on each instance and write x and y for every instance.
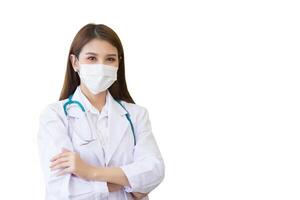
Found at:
(220, 80)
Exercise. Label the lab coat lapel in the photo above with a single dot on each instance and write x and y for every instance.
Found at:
(82, 125)
(117, 126)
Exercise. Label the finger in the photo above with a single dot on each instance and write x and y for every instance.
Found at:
(61, 166)
(65, 150)
(58, 161)
(114, 187)
(60, 155)
(139, 195)
(63, 171)
(56, 156)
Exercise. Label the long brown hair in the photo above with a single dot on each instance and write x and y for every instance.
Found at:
(90, 31)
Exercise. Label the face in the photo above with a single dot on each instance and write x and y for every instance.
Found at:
(96, 51)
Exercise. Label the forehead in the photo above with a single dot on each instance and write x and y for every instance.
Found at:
(99, 46)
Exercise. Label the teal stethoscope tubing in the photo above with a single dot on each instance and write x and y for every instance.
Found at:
(71, 101)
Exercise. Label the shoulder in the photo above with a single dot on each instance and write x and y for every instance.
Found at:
(140, 116)
(53, 112)
(134, 108)
(137, 112)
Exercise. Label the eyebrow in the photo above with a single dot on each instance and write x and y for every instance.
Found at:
(92, 53)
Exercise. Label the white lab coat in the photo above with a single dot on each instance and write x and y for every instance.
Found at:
(143, 164)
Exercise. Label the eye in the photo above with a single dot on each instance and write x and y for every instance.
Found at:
(92, 58)
(111, 59)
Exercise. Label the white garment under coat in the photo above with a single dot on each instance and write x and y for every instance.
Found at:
(142, 164)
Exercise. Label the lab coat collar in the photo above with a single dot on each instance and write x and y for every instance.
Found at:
(89, 107)
(111, 105)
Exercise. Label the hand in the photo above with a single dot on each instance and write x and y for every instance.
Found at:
(70, 162)
(114, 187)
(138, 195)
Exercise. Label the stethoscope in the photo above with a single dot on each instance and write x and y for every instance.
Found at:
(71, 101)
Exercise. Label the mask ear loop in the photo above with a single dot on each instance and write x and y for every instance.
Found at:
(76, 70)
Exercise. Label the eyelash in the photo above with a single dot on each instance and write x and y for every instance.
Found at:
(89, 58)
(93, 58)
(113, 59)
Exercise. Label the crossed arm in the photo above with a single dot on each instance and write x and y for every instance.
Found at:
(115, 178)
(70, 162)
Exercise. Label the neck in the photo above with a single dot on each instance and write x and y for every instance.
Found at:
(97, 100)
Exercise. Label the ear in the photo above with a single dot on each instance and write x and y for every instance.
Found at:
(74, 62)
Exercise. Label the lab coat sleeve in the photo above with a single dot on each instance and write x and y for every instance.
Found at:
(147, 170)
(52, 137)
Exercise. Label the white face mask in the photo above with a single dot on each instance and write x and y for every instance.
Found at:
(97, 77)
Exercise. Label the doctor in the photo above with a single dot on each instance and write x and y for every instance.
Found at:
(95, 142)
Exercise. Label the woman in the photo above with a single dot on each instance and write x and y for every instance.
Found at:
(95, 142)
